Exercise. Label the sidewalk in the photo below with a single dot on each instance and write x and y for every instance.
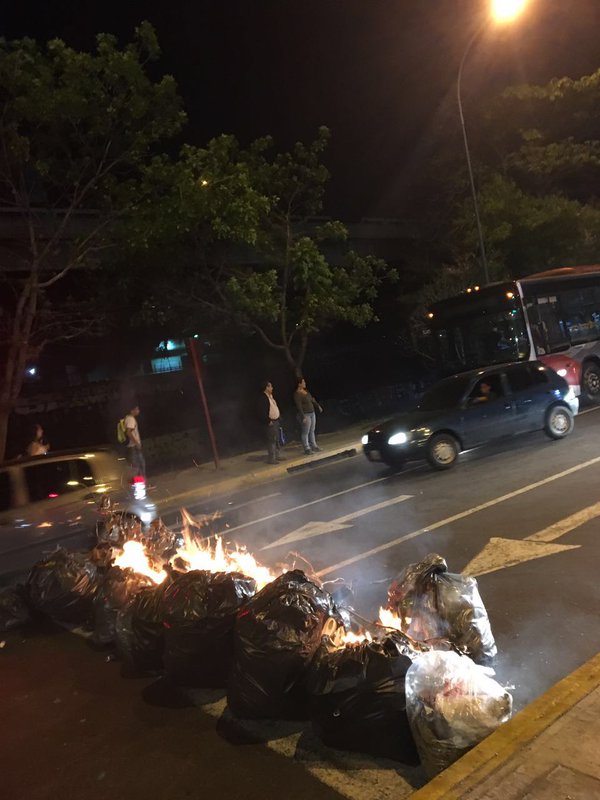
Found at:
(205, 481)
(548, 751)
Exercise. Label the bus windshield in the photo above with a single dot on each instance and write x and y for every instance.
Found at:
(483, 330)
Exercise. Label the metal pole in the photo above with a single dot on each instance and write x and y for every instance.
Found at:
(484, 263)
(198, 371)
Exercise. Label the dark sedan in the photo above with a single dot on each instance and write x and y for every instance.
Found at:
(475, 408)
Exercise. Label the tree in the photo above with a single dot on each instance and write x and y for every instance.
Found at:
(539, 166)
(250, 250)
(536, 157)
(75, 130)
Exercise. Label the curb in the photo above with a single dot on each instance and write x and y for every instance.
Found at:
(227, 485)
(495, 751)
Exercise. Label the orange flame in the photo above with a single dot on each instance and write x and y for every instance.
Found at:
(134, 557)
(202, 554)
(349, 638)
(391, 620)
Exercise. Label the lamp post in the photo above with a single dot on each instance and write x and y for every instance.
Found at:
(484, 264)
(502, 11)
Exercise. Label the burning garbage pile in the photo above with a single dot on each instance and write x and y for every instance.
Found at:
(413, 685)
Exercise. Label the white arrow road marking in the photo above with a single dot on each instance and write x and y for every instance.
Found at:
(501, 553)
(489, 504)
(305, 505)
(341, 523)
(566, 525)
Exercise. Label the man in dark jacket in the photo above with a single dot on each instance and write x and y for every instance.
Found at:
(269, 417)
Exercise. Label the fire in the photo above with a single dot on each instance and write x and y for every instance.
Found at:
(390, 620)
(134, 556)
(349, 638)
(202, 554)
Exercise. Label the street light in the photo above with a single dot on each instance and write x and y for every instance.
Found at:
(502, 11)
(507, 10)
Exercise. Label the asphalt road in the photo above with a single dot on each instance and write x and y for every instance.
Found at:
(523, 518)
(540, 587)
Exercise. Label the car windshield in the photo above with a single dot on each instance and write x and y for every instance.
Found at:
(445, 394)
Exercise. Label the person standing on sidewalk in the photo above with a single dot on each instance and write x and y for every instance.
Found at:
(306, 406)
(135, 454)
(270, 417)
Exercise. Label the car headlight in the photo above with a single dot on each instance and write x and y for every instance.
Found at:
(398, 438)
(365, 439)
(561, 372)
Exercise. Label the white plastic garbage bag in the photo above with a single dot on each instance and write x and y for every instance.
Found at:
(452, 705)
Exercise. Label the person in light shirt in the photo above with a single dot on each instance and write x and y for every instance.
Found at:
(135, 454)
(38, 446)
(270, 417)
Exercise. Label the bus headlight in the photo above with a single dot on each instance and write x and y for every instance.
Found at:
(561, 372)
(365, 439)
(398, 438)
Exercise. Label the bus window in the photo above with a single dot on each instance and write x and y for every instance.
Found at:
(581, 313)
(548, 330)
(472, 341)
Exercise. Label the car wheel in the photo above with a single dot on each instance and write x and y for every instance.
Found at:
(559, 422)
(591, 381)
(442, 451)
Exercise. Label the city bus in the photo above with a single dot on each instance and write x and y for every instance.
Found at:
(552, 316)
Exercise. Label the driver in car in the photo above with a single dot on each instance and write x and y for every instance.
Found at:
(483, 393)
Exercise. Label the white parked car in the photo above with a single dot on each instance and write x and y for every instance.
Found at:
(56, 499)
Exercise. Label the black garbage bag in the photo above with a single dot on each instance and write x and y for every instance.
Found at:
(118, 527)
(139, 632)
(200, 612)
(437, 604)
(358, 700)
(343, 597)
(13, 608)
(117, 589)
(63, 586)
(161, 541)
(276, 637)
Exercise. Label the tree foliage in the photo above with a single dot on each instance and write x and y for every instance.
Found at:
(536, 156)
(241, 226)
(75, 130)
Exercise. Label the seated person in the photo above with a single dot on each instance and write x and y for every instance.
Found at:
(482, 393)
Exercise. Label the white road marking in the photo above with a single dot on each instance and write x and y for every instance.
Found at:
(238, 505)
(353, 775)
(455, 517)
(501, 553)
(341, 523)
(305, 505)
(566, 525)
(252, 501)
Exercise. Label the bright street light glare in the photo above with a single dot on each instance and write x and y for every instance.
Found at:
(507, 10)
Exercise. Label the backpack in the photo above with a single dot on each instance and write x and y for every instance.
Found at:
(121, 431)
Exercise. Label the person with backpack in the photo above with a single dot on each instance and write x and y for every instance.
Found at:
(128, 434)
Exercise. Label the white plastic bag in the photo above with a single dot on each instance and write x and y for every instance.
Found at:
(452, 704)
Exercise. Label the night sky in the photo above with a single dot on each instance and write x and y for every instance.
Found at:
(380, 73)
